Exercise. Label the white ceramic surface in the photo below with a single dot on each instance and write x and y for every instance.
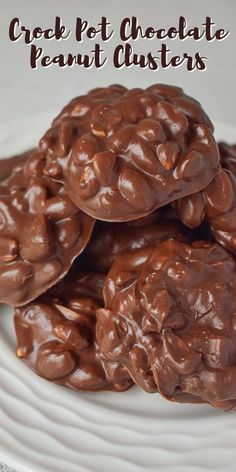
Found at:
(47, 428)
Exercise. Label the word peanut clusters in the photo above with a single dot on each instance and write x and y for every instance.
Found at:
(124, 53)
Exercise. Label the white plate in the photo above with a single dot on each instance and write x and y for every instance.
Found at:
(47, 428)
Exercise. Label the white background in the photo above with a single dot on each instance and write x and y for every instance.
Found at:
(24, 91)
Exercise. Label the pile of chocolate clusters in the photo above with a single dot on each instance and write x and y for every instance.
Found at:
(118, 244)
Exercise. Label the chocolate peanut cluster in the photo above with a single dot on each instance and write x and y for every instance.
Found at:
(124, 153)
(109, 240)
(170, 312)
(41, 233)
(118, 244)
(56, 336)
(217, 203)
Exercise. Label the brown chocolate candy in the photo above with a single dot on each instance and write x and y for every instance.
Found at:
(41, 233)
(124, 153)
(170, 315)
(110, 240)
(15, 162)
(56, 336)
(217, 203)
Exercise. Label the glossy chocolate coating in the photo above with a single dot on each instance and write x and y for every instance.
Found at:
(170, 315)
(56, 336)
(8, 164)
(124, 153)
(41, 232)
(110, 240)
(217, 203)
